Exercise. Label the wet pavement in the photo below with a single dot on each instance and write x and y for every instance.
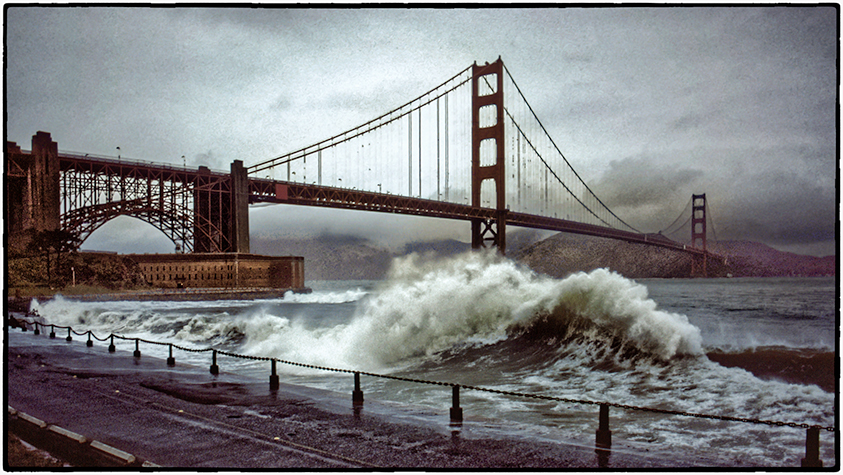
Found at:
(183, 416)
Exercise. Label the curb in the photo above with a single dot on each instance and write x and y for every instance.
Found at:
(75, 448)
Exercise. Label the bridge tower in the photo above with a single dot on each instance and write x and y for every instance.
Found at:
(698, 233)
(487, 136)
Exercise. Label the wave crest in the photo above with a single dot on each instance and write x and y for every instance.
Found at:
(429, 305)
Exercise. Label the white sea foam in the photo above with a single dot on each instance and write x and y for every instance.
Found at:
(325, 296)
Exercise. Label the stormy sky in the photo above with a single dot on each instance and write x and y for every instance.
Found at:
(650, 105)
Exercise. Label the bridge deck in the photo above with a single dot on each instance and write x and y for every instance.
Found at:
(273, 191)
(270, 191)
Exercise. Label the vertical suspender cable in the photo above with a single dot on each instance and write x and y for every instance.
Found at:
(447, 140)
(420, 153)
(438, 152)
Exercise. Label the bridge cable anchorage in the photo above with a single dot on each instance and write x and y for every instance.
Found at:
(289, 157)
(563, 155)
(473, 388)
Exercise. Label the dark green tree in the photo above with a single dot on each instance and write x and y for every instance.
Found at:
(45, 243)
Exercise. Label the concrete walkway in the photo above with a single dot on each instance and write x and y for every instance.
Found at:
(185, 417)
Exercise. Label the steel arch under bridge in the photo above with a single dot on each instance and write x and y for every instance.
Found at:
(192, 208)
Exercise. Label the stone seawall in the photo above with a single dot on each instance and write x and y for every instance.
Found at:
(167, 294)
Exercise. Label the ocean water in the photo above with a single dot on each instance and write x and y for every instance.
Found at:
(748, 348)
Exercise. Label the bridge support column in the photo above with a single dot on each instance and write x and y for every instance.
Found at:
(488, 152)
(212, 203)
(32, 190)
(491, 231)
(239, 208)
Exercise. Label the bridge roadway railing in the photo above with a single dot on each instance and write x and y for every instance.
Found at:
(95, 160)
(603, 440)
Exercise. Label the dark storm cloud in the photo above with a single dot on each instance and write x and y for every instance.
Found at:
(779, 208)
(690, 121)
(749, 196)
(638, 182)
(647, 192)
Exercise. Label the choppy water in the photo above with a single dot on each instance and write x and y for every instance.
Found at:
(484, 321)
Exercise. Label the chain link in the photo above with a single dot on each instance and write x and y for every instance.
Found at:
(472, 388)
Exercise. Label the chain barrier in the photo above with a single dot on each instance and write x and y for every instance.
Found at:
(441, 383)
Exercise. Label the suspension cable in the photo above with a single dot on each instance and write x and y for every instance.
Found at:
(561, 154)
(668, 229)
(289, 157)
(711, 219)
(547, 166)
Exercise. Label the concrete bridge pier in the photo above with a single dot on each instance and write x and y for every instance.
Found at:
(221, 209)
(33, 191)
(239, 207)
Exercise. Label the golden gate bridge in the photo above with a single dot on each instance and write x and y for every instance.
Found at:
(471, 148)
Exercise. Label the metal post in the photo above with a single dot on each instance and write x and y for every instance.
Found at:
(90, 342)
(273, 379)
(604, 435)
(215, 370)
(170, 360)
(52, 331)
(22, 326)
(69, 338)
(111, 346)
(37, 331)
(137, 348)
(456, 410)
(357, 394)
(812, 448)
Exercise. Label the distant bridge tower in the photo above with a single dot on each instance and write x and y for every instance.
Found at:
(487, 154)
(698, 233)
(698, 222)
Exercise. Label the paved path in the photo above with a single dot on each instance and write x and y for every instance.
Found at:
(185, 417)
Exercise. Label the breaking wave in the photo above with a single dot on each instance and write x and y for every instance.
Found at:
(424, 308)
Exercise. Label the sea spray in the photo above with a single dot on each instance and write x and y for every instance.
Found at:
(592, 336)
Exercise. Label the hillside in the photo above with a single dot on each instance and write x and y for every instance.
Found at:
(349, 258)
(333, 257)
(90, 271)
(330, 257)
(563, 254)
(745, 258)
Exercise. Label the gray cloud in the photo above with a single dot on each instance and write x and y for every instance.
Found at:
(645, 102)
